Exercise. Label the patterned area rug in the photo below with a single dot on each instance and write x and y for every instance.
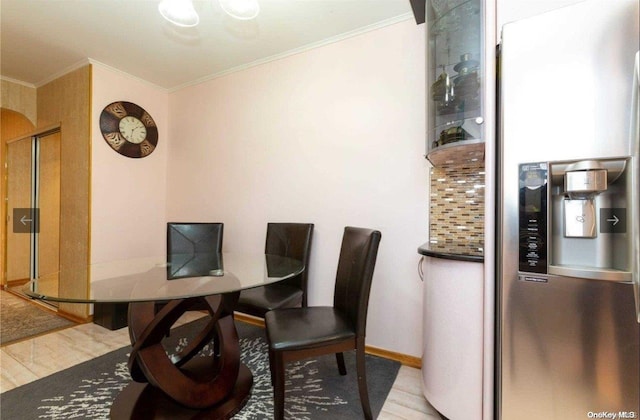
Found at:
(314, 388)
(21, 319)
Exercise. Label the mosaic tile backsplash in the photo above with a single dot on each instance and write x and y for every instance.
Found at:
(456, 219)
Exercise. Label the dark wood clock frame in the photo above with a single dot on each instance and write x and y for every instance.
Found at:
(110, 119)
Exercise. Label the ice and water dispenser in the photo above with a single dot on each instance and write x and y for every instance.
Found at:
(573, 219)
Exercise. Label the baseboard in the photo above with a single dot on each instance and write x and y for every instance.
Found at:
(404, 359)
(15, 283)
(75, 318)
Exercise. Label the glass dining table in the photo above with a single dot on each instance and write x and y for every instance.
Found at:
(159, 290)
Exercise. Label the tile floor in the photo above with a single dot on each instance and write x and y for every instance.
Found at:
(31, 359)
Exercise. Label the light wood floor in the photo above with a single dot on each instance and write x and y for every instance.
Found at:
(29, 360)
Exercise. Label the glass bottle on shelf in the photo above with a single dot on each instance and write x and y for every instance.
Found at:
(454, 40)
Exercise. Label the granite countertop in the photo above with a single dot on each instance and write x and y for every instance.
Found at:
(452, 251)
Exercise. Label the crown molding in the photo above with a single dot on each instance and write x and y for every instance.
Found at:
(304, 48)
(62, 72)
(17, 82)
(128, 75)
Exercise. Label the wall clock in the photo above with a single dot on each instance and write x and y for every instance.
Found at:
(129, 129)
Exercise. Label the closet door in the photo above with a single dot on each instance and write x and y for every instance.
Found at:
(33, 210)
(19, 196)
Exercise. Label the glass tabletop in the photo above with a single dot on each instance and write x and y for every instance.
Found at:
(164, 278)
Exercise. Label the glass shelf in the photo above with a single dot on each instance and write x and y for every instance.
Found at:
(457, 152)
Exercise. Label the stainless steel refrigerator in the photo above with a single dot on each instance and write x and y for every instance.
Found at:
(568, 322)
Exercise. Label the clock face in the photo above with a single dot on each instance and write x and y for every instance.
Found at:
(129, 129)
(132, 129)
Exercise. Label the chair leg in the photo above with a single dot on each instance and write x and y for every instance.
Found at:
(271, 356)
(341, 366)
(278, 386)
(362, 381)
(216, 346)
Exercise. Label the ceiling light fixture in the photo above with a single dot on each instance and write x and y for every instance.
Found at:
(179, 12)
(241, 9)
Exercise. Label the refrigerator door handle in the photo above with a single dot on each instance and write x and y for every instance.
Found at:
(635, 195)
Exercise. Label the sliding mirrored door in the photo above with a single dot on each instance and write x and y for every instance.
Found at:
(19, 196)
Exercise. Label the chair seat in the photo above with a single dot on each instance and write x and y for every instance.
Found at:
(304, 328)
(260, 300)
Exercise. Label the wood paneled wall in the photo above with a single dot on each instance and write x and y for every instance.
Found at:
(67, 100)
(19, 98)
(49, 204)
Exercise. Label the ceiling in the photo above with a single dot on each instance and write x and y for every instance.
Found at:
(43, 39)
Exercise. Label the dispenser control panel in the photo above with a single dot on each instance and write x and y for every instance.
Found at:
(532, 217)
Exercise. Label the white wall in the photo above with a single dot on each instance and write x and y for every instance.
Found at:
(128, 196)
(512, 10)
(333, 136)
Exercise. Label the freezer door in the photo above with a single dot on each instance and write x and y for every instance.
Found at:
(570, 349)
(565, 82)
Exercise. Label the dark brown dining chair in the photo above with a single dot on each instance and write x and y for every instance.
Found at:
(300, 333)
(193, 249)
(288, 240)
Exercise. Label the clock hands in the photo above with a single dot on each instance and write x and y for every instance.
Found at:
(137, 131)
(134, 130)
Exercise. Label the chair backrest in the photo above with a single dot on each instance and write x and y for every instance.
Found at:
(193, 249)
(355, 271)
(291, 240)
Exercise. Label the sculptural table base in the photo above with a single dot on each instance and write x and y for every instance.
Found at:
(187, 385)
(144, 401)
